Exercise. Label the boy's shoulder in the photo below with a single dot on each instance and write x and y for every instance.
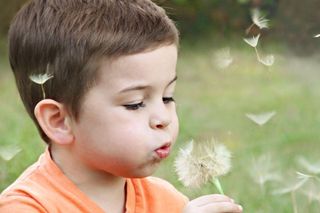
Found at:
(43, 188)
(21, 195)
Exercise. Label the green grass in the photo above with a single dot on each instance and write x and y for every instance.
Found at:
(16, 128)
(214, 102)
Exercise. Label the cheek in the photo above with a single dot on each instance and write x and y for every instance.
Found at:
(175, 127)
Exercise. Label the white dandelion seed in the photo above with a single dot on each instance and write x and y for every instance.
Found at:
(301, 175)
(253, 42)
(301, 183)
(317, 36)
(268, 60)
(312, 190)
(261, 119)
(263, 171)
(258, 19)
(9, 152)
(199, 163)
(291, 187)
(223, 58)
(41, 79)
(313, 168)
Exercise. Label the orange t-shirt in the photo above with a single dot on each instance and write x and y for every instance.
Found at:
(44, 188)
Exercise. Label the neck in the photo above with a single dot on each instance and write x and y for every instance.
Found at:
(107, 190)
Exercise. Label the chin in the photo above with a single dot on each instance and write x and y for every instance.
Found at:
(145, 172)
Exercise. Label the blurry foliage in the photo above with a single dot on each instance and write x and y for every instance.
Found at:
(224, 17)
(295, 22)
(7, 11)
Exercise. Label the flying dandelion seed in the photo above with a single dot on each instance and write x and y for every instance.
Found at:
(291, 187)
(223, 58)
(258, 19)
(199, 163)
(302, 180)
(9, 152)
(301, 175)
(41, 79)
(253, 42)
(317, 36)
(311, 188)
(261, 119)
(313, 168)
(263, 170)
(268, 60)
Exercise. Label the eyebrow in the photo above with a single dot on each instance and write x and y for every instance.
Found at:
(141, 87)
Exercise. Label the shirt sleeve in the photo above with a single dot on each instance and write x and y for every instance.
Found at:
(20, 204)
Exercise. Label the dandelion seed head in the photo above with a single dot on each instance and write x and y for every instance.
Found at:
(253, 42)
(258, 19)
(199, 163)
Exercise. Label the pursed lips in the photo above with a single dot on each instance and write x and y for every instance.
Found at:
(163, 151)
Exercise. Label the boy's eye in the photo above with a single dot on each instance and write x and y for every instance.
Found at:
(134, 106)
(167, 100)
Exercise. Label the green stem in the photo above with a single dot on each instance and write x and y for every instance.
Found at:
(216, 182)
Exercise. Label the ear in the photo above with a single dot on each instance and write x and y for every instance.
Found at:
(54, 120)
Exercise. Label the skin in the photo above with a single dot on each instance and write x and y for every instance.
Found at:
(124, 120)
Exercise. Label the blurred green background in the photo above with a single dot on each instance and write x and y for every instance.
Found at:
(213, 102)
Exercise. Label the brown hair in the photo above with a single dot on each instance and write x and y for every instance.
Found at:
(67, 38)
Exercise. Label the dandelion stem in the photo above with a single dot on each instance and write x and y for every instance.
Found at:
(257, 53)
(294, 202)
(249, 29)
(43, 93)
(216, 182)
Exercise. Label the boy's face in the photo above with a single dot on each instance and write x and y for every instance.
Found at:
(128, 120)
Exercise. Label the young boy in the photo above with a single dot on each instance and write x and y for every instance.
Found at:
(107, 114)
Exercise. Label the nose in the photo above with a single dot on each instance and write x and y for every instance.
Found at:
(159, 124)
(161, 117)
